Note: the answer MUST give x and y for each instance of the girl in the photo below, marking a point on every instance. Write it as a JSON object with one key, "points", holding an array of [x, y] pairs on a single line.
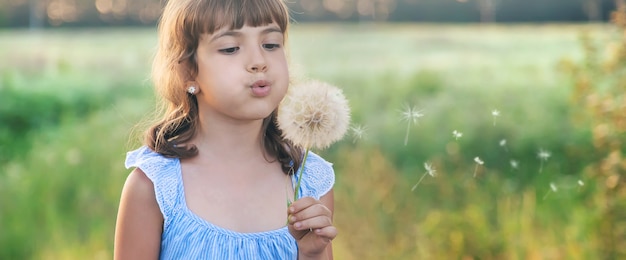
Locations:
{"points": [[214, 175]]}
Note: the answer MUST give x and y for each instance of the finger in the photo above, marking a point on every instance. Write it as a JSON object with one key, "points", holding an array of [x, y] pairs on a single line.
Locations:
{"points": [[297, 234], [301, 204], [312, 223], [312, 211], [329, 232]]}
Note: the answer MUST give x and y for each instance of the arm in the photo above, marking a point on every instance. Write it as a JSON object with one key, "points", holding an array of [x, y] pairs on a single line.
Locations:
{"points": [[139, 220], [329, 201], [310, 223]]}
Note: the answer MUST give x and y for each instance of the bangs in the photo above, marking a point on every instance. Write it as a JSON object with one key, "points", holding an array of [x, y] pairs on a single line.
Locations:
{"points": [[219, 14], [185, 21]]}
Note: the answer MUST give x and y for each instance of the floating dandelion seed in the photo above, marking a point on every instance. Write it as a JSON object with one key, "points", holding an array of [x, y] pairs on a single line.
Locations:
{"points": [[514, 164], [478, 162], [543, 155], [553, 188], [580, 184], [411, 115], [495, 113], [429, 171], [503, 144], [456, 134], [358, 132], [313, 114]]}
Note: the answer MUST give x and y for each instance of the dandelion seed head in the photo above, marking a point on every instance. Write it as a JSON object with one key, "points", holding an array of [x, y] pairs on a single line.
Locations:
{"points": [[502, 142], [543, 155], [429, 168], [495, 112], [478, 161], [313, 114], [581, 183]]}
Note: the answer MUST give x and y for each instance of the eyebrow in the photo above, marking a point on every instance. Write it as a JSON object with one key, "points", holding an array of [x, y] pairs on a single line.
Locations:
{"points": [[238, 34]]}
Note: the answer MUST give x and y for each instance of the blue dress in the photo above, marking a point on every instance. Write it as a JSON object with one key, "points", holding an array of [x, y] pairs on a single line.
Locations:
{"points": [[188, 236]]}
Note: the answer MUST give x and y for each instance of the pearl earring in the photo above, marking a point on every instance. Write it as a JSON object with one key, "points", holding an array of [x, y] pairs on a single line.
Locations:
{"points": [[191, 89]]}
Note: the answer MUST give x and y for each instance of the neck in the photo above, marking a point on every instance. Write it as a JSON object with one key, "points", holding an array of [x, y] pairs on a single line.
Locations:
{"points": [[228, 138]]}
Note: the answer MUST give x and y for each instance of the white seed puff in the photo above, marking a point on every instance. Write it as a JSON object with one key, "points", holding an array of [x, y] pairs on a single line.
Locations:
{"points": [[313, 114]]}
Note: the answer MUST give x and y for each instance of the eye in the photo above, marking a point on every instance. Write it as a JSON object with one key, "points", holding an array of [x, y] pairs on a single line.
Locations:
{"points": [[271, 46], [231, 50]]}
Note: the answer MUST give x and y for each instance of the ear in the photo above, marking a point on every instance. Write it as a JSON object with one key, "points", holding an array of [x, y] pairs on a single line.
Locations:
{"points": [[192, 88]]}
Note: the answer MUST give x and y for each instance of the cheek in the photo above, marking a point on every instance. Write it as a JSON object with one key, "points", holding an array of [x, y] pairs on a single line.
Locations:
{"points": [[209, 73], [283, 70], [279, 61]]}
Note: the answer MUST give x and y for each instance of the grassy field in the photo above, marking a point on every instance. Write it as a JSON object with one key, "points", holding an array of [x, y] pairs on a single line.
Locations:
{"points": [[70, 99]]}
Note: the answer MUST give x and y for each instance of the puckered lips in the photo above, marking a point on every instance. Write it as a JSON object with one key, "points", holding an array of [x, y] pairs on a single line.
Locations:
{"points": [[260, 88]]}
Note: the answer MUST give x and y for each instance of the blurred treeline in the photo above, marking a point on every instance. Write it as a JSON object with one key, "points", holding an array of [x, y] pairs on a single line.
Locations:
{"points": [[49, 13], [69, 99]]}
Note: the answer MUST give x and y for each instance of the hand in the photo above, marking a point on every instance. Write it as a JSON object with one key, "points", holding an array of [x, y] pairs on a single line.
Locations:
{"points": [[310, 223]]}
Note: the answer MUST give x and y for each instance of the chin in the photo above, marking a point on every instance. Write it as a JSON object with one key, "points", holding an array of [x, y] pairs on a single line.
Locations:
{"points": [[260, 115]]}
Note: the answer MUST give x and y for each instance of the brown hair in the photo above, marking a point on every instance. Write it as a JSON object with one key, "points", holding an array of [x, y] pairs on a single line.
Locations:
{"points": [[180, 27]]}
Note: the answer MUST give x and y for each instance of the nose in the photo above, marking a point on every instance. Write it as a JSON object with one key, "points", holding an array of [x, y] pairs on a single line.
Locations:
{"points": [[257, 62]]}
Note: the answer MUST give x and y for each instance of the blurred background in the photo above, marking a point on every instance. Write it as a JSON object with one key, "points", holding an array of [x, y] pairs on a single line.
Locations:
{"points": [[481, 129]]}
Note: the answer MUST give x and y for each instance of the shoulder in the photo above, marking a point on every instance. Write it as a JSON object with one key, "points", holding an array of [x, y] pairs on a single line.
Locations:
{"points": [[161, 173], [139, 221], [318, 177], [144, 156], [137, 183], [314, 158], [139, 191], [153, 165]]}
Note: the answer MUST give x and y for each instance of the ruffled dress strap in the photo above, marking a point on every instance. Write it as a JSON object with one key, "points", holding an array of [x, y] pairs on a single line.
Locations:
{"points": [[165, 175], [318, 177]]}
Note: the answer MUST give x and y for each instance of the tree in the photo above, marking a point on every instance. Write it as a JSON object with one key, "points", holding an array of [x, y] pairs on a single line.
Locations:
{"points": [[599, 92], [487, 10], [593, 9], [36, 14]]}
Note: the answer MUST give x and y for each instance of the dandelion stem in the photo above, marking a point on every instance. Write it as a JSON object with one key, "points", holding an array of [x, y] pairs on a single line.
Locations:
{"points": [[406, 137], [418, 182], [540, 166], [297, 189], [545, 196], [475, 170]]}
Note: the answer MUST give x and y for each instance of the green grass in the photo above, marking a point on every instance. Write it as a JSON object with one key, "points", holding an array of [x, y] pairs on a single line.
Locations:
{"points": [[81, 94]]}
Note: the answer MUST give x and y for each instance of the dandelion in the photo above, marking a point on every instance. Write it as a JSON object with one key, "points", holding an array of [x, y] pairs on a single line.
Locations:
{"points": [[411, 115], [429, 171], [456, 134], [313, 114], [478, 162], [495, 113], [543, 155], [514, 164], [358, 131], [553, 188]]}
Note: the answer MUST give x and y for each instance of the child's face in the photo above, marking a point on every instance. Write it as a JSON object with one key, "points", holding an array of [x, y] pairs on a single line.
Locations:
{"points": [[242, 74]]}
